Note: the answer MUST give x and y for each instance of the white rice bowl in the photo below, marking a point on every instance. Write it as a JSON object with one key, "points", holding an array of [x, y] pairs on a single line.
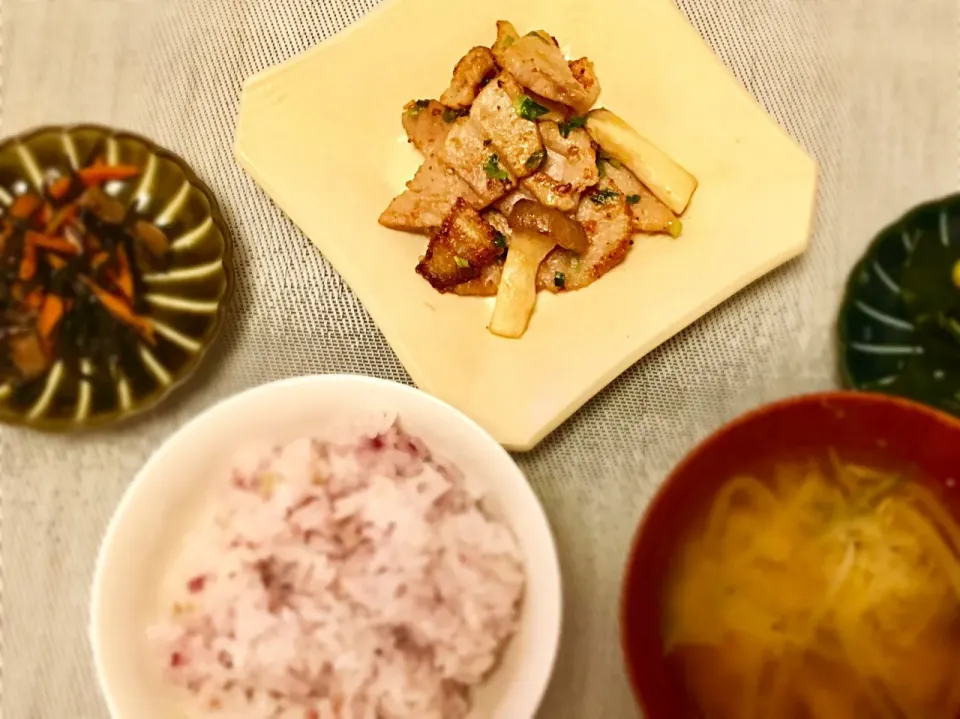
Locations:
{"points": [[288, 556]]}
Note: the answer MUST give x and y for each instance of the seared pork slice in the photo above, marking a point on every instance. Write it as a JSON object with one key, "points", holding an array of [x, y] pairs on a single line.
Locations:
{"points": [[516, 140], [474, 158], [649, 214], [486, 283], [584, 73], [507, 34], [464, 244], [425, 126], [607, 221], [580, 168], [483, 285], [549, 191], [429, 197], [498, 221], [469, 75], [538, 64], [570, 168]]}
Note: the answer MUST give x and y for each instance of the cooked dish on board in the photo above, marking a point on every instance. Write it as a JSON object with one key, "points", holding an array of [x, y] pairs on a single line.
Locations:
{"points": [[819, 588], [353, 576], [523, 187]]}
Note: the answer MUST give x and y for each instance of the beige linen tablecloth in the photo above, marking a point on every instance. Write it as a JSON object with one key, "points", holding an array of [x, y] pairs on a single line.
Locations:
{"points": [[869, 87]]}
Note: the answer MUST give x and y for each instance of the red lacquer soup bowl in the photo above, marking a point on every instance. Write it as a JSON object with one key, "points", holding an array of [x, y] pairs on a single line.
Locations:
{"points": [[881, 430]]}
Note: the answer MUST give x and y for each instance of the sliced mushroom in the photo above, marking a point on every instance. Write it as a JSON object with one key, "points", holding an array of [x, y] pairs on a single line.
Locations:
{"points": [[537, 230], [109, 209], [530, 215], [152, 237], [151, 246]]}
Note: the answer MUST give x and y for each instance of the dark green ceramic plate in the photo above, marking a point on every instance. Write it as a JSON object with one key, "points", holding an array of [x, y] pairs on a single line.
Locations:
{"points": [[900, 320], [186, 301]]}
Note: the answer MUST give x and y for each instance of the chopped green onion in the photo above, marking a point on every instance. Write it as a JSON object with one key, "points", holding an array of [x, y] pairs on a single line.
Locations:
{"points": [[633, 199], [613, 161], [575, 264], [535, 160], [559, 280], [500, 240], [508, 41], [956, 274], [534, 33], [493, 169], [675, 228], [528, 109], [600, 197], [414, 108], [450, 115], [461, 262], [570, 124]]}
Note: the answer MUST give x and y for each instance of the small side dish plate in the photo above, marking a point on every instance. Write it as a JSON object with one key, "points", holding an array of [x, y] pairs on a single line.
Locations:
{"points": [[321, 135], [183, 300], [899, 325]]}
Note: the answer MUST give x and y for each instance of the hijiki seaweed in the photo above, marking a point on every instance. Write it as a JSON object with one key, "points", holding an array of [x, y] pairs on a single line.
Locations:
{"points": [[72, 261]]}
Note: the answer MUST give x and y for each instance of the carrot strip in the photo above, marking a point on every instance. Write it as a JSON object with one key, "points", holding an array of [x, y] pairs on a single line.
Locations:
{"points": [[24, 206], [124, 275], [97, 174], [5, 234], [46, 213], [121, 310], [28, 262], [34, 300], [63, 215], [50, 315], [59, 188], [98, 260], [54, 244], [55, 261]]}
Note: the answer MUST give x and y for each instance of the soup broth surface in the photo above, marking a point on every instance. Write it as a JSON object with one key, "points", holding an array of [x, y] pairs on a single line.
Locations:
{"points": [[819, 588]]}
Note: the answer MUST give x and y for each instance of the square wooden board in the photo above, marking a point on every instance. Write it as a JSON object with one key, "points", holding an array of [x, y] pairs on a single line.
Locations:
{"points": [[322, 135]]}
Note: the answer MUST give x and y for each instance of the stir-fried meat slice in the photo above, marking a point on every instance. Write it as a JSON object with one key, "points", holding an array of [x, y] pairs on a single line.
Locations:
{"points": [[570, 168], [460, 249], [649, 214], [428, 199], [605, 218], [584, 73], [507, 34], [548, 191], [472, 155], [499, 222], [483, 285], [538, 64], [486, 283], [425, 126], [516, 140], [580, 169], [469, 75]]}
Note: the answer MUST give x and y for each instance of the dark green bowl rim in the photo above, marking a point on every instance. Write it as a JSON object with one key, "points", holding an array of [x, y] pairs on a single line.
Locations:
{"points": [[905, 220], [19, 420]]}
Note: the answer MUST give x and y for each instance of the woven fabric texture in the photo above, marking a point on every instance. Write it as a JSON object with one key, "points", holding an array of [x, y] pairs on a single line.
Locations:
{"points": [[871, 88]]}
